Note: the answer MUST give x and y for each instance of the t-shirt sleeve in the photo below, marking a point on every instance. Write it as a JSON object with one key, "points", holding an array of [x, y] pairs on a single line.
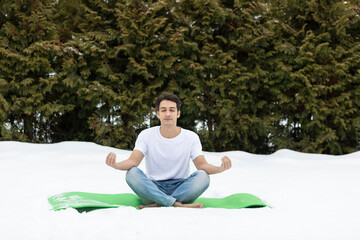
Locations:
{"points": [[140, 143], [196, 148]]}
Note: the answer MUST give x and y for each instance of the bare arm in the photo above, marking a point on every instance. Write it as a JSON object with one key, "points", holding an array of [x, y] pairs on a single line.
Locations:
{"points": [[133, 161], [201, 164]]}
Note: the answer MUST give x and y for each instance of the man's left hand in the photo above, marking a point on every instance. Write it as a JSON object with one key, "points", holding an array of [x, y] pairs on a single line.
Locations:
{"points": [[226, 164]]}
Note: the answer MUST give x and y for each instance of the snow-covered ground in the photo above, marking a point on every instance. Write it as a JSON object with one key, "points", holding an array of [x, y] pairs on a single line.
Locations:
{"points": [[312, 197]]}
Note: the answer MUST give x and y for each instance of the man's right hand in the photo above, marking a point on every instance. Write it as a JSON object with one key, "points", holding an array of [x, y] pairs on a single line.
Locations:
{"points": [[111, 160], [133, 161]]}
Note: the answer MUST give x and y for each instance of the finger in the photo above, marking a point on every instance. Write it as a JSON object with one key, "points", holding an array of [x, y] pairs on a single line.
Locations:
{"points": [[223, 162], [110, 159], [226, 162], [113, 159], [109, 155]]}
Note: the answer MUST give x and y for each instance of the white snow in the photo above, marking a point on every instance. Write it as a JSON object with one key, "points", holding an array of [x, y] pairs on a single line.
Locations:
{"points": [[312, 196]]}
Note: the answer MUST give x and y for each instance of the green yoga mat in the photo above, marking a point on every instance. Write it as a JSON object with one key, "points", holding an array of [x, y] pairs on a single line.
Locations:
{"points": [[83, 201]]}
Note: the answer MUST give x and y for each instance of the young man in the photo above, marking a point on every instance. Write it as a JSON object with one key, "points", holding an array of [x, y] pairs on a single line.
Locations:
{"points": [[168, 150]]}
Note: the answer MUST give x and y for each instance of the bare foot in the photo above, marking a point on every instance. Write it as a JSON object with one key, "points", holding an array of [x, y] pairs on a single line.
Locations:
{"points": [[148, 206], [188, 205], [176, 204]]}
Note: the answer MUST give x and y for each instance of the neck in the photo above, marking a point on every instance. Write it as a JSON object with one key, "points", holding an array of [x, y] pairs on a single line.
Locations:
{"points": [[169, 131]]}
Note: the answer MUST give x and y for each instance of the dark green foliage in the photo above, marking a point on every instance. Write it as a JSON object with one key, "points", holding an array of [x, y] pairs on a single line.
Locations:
{"points": [[30, 86], [255, 76], [317, 77]]}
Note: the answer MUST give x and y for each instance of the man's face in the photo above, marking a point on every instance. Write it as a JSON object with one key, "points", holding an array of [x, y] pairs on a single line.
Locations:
{"points": [[168, 113]]}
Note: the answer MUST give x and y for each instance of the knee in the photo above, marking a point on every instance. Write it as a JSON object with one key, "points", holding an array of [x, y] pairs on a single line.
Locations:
{"points": [[203, 177], [132, 174]]}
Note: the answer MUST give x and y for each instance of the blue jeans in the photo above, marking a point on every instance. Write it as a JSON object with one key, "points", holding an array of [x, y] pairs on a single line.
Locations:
{"points": [[166, 192]]}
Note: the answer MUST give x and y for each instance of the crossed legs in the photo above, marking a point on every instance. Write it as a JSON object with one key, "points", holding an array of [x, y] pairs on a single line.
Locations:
{"points": [[177, 193]]}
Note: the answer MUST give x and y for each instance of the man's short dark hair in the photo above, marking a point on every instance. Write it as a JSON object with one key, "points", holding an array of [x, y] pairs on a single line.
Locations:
{"points": [[170, 97]]}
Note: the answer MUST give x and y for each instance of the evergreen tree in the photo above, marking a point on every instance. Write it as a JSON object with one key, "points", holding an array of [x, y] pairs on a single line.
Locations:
{"points": [[316, 77], [125, 62], [255, 76], [28, 61], [226, 78]]}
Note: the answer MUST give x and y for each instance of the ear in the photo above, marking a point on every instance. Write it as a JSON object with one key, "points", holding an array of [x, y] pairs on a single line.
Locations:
{"points": [[178, 114], [158, 114]]}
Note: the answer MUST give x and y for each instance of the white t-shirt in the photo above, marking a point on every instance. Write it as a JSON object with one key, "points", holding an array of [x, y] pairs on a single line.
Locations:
{"points": [[168, 158]]}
